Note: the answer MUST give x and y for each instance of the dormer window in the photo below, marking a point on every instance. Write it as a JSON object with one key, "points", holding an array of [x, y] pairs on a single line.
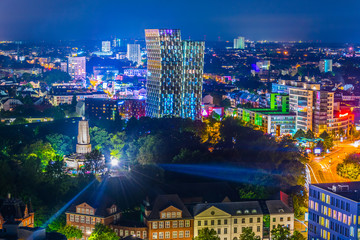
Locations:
{"points": [[281, 210], [178, 214], [91, 212], [253, 211], [163, 215], [168, 215], [173, 214], [246, 211], [238, 212]]}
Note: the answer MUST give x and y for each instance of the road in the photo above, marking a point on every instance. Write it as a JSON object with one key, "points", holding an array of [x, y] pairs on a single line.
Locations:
{"points": [[323, 169]]}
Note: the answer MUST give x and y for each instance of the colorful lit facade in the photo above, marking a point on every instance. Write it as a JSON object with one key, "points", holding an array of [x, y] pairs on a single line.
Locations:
{"points": [[276, 120], [334, 211], [325, 65], [239, 43], [175, 74]]}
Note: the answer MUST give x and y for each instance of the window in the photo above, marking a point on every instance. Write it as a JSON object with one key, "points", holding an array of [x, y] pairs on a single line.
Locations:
{"points": [[144, 234], [87, 211], [225, 221], [173, 214], [71, 218], [154, 225], [174, 234], [82, 219], [161, 224], [250, 220], [127, 233], [132, 233], [205, 223], [175, 224], [167, 234], [168, 215], [235, 229], [274, 219], [163, 215], [167, 224], [258, 219], [289, 218], [87, 220], [235, 220], [178, 214], [212, 222], [187, 223], [76, 218], [181, 224], [91, 212], [121, 233], [243, 220], [258, 229], [154, 235], [281, 219], [161, 235], [181, 234], [219, 222], [219, 231], [187, 234], [225, 230], [138, 234], [199, 223]]}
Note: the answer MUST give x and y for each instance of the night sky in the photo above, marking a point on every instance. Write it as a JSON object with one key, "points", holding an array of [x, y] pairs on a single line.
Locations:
{"points": [[326, 20]]}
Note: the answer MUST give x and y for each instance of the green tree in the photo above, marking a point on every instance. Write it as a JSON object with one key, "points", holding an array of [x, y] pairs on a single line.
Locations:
{"points": [[299, 134], [94, 161], [54, 76], [62, 144], [328, 140], [102, 232], [248, 234], [41, 150], [309, 134], [117, 145], [207, 234], [100, 138], [71, 232], [350, 167], [297, 236], [74, 101], [19, 120], [280, 233]]}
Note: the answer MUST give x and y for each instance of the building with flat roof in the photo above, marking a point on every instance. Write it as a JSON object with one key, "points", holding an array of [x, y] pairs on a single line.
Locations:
{"points": [[334, 211]]}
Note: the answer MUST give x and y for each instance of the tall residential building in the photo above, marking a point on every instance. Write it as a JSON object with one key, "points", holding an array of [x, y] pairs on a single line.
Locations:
{"points": [[175, 74], [325, 65], [134, 53], [63, 66], [106, 46], [334, 211], [77, 67], [239, 43]]}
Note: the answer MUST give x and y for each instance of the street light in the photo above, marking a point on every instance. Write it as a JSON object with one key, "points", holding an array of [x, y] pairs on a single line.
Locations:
{"points": [[114, 162]]}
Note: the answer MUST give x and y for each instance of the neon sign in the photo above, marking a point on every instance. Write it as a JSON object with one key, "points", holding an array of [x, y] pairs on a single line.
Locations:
{"points": [[343, 115]]}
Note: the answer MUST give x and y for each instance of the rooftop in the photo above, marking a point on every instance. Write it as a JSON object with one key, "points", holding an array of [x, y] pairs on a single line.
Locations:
{"points": [[350, 190]]}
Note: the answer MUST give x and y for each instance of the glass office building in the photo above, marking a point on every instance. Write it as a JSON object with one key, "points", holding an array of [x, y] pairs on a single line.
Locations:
{"points": [[174, 74]]}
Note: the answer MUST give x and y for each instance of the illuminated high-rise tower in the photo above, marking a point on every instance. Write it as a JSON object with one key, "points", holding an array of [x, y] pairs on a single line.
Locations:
{"points": [[133, 53], [77, 67], [175, 74], [239, 43]]}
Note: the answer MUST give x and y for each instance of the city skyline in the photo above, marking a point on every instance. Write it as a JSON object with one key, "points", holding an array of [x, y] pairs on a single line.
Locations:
{"points": [[258, 20]]}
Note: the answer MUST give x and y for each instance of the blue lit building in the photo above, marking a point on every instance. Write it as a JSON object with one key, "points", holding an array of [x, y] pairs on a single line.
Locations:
{"points": [[174, 74], [334, 210]]}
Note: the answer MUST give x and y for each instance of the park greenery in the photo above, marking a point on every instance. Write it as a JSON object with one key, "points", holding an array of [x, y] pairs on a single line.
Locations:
{"points": [[32, 167], [283, 233], [350, 167], [248, 234], [102, 232]]}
